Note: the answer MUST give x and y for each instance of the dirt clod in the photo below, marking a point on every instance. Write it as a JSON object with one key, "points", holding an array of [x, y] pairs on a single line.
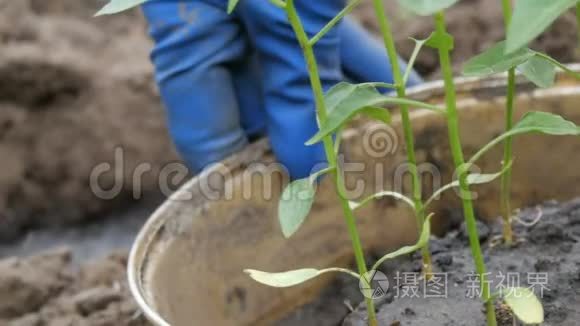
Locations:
{"points": [[95, 299], [483, 231], [47, 290], [73, 89], [24, 289]]}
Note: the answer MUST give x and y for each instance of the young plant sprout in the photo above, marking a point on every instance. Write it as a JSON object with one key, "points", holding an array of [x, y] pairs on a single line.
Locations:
{"points": [[344, 101], [444, 47], [537, 67], [540, 70], [289, 217], [505, 202], [400, 80]]}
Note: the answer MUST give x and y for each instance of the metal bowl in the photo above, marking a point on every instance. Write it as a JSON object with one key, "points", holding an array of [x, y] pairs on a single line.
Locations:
{"points": [[185, 267]]}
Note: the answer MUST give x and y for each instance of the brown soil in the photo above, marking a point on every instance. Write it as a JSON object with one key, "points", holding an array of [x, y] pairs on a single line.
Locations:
{"points": [[47, 290], [72, 89]]}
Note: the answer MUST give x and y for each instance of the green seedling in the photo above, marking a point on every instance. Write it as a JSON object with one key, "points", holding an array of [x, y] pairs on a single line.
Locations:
{"points": [[539, 69], [334, 110], [505, 56], [345, 101], [400, 79], [443, 42], [455, 142], [323, 114], [512, 55]]}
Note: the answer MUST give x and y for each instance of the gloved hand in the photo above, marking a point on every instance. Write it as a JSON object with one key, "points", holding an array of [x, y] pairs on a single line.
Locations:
{"points": [[224, 78]]}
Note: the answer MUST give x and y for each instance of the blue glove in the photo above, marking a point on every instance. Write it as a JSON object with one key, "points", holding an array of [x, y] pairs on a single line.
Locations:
{"points": [[227, 78]]}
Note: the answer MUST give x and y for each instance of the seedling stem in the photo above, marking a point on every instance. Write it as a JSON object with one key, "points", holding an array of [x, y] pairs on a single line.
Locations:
{"points": [[407, 128], [318, 91], [457, 153], [505, 192], [578, 24]]}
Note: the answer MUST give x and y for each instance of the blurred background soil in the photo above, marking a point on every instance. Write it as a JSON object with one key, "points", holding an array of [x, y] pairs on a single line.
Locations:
{"points": [[475, 25], [73, 89]]}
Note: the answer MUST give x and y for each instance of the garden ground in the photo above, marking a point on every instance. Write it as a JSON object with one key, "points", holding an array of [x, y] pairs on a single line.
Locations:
{"points": [[74, 88]]}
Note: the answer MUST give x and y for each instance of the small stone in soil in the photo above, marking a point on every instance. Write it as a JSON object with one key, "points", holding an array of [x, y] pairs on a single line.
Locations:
{"points": [[95, 299], [483, 231]]}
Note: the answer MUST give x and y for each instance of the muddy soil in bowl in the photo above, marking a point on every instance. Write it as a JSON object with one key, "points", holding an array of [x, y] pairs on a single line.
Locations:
{"points": [[49, 290], [545, 259]]}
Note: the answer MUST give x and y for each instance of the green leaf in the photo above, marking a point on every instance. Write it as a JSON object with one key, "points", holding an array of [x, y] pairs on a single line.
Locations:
{"points": [[356, 205], [538, 122], [440, 40], [544, 122], [494, 60], [292, 278], [376, 113], [344, 101], [116, 6], [232, 5], [557, 64], [524, 304], [472, 179], [477, 179], [295, 205], [426, 7], [539, 71], [284, 279], [538, 68], [421, 242], [531, 18]]}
